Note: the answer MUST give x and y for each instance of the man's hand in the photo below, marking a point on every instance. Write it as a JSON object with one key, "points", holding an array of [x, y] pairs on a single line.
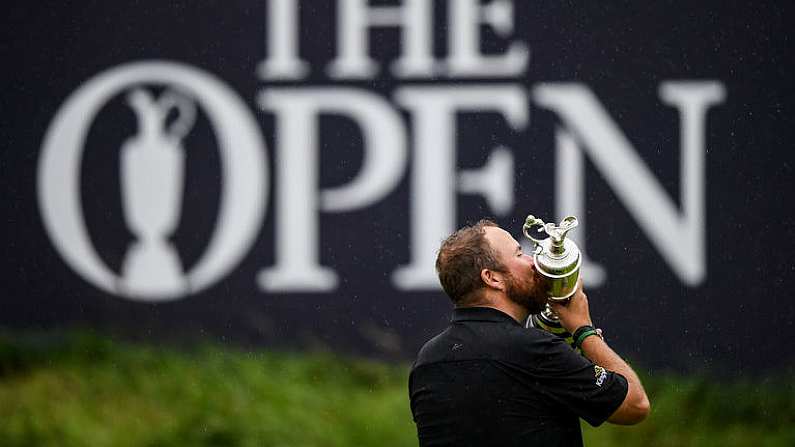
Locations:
{"points": [[574, 312]]}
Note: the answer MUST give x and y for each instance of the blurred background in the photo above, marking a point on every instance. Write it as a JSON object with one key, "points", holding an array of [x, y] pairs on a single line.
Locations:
{"points": [[220, 218]]}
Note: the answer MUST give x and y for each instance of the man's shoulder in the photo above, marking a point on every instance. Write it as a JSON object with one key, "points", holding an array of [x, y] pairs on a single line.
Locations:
{"points": [[485, 341], [522, 345], [433, 348], [516, 336]]}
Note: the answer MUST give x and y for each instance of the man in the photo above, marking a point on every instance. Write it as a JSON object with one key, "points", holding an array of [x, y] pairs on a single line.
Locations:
{"points": [[487, 380]]}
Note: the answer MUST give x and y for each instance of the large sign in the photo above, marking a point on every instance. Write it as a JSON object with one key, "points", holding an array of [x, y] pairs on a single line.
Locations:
{"points": [[380, 128]]}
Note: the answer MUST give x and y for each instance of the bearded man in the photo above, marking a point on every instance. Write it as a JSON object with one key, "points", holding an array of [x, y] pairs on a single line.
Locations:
{"points": [[487, 380]]}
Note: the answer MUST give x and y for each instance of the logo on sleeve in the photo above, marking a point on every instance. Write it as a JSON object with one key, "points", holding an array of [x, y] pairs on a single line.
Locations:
{"points": [[600, 374]]}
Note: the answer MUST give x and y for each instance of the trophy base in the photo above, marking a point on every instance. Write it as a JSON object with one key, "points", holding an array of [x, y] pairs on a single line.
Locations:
{"points": [[152, 271]]}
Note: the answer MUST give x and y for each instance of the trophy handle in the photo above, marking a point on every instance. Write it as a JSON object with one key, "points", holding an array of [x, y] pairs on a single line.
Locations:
{"points": [[186, 113], [529, 223]]}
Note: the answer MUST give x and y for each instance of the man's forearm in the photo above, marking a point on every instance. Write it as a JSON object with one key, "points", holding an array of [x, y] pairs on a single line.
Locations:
{"points": [[574, 314], [601, 354]]}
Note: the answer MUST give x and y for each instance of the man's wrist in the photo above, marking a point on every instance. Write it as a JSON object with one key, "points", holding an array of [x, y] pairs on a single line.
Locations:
{"points": [[577, 326], [583, 332]]}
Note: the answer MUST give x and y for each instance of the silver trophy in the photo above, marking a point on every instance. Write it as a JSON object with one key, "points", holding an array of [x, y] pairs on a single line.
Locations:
{"points": [[558, 262], [152, 180]]}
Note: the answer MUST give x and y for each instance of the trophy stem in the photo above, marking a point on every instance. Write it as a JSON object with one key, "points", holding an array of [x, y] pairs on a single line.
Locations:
{"points": [[550, 314], [548, 320]]}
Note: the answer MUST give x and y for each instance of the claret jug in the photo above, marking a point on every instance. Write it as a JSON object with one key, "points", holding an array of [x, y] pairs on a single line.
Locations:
{"points": [[558, 262]]}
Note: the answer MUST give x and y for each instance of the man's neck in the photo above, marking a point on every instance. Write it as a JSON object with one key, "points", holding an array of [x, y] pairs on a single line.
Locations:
{"points": [[517, 312], [504, 305]]}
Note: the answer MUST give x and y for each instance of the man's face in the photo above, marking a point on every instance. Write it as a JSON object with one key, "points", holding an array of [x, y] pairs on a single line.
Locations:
{"points": [[523, 282]]}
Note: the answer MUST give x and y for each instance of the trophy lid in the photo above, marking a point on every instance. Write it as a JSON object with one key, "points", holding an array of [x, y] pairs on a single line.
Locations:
{"points": [[555, 255], [557, 233]]}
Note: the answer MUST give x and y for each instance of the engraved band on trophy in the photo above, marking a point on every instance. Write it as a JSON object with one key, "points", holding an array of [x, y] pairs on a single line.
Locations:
{"points": [[152, 181], [557, 260]]}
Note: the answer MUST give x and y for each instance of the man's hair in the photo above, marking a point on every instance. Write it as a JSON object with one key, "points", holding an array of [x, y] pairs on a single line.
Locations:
{"points": [[461, 258]]}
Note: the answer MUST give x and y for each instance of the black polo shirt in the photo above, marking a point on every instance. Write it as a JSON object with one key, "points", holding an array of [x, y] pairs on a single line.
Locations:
{"points": [[487, 380]]}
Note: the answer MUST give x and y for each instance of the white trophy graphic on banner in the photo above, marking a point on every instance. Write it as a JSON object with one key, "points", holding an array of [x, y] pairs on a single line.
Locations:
{"points": [[152, 179]]}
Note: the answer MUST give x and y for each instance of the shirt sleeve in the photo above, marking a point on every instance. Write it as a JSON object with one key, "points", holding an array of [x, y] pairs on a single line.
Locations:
{"points": [[574, 382]]}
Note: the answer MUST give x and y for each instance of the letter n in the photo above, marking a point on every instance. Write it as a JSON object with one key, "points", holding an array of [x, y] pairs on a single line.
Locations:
{"points": [[677, 235]]}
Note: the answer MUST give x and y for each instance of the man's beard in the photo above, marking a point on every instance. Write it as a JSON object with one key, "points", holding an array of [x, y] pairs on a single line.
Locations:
{"points": [[527, 293]]}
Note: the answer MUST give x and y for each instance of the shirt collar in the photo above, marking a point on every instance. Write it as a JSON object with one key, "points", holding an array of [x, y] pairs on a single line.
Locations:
{"points": [[481, 313]]}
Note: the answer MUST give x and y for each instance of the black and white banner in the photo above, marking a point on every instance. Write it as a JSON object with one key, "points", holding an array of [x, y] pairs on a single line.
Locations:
{"points": [[281, 172]]}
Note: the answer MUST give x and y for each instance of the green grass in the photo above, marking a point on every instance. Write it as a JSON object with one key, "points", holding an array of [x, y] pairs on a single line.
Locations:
{"points": [[83, 390], [696, 411]]}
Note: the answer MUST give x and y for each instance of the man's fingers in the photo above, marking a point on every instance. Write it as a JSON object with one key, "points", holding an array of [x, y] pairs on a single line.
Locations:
{"points": [[555, 305]]}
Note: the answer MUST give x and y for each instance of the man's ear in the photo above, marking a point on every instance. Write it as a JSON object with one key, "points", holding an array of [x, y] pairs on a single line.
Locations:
{"points": [[492, 279]]}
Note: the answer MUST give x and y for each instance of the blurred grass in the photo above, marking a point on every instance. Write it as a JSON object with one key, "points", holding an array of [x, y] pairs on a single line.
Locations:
{"points": [[84, 390]]}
